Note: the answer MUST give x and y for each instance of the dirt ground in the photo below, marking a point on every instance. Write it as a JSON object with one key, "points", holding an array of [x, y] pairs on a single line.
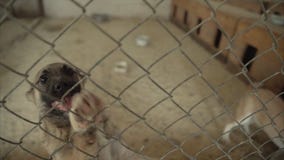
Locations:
{"points": [[192, 128]]}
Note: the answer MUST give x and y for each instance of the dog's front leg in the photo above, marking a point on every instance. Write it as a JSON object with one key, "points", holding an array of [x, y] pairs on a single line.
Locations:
{"points": [[85, 112]]}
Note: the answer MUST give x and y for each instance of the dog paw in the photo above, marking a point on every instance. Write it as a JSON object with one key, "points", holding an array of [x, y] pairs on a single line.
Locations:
{"points": [[85, 110]]}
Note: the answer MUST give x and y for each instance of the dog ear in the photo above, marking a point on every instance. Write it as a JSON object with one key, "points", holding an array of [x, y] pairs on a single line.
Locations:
{"points": [[30, 95]]}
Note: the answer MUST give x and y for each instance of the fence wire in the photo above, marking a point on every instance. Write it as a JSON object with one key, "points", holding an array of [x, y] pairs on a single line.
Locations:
{"points": [[227, 110]]}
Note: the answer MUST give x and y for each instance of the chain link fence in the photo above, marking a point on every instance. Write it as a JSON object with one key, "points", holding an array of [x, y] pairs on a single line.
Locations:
{"points": [[186, 127]]}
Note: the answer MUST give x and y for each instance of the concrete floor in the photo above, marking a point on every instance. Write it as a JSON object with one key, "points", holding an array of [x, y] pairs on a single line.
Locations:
{"points": [[84, 45]]}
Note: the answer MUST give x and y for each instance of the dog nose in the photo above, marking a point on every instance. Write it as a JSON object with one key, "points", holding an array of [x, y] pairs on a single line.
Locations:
{"points": [[58, 87]]}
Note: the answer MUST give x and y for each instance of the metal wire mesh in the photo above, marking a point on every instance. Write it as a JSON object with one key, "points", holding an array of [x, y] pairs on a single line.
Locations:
{"points": [[215, 142]]}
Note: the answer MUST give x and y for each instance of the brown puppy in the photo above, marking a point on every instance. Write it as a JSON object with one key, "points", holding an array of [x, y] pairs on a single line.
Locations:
{"points": [[75, 128], [268, 114]]}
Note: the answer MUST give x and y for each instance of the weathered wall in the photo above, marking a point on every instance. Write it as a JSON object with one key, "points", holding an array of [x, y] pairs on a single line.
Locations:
{"points": [[67, 9], [236, 21]]}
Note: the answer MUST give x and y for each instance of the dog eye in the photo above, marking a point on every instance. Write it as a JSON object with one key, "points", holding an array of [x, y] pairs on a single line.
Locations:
{"points": [[43, 78]]}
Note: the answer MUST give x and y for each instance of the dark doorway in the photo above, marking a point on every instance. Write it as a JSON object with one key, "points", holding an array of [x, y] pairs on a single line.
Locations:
{"points": [[217, 38], [282, 94], [249, 54], [185, 15], [198, 29], [174, 11]]}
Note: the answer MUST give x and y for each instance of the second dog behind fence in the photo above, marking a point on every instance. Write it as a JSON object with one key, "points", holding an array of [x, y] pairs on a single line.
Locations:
{"points": [[264, 109]]}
